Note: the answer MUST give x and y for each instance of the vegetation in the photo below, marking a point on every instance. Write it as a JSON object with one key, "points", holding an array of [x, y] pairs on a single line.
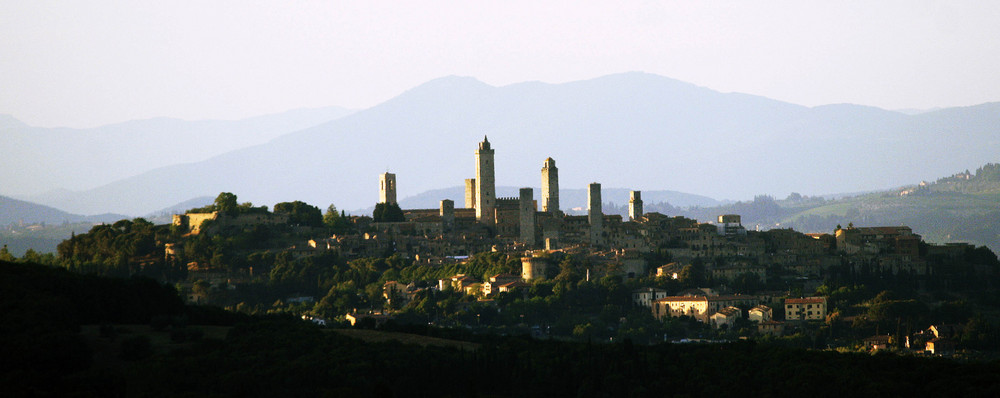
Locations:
{"points": [[227, 203], [300, 213], [45, 354], [388, 212]]}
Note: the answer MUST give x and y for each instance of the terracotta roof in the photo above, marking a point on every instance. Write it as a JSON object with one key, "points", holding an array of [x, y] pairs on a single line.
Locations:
{"points": [[683, 298], [806, 300], [729, 311], [879, 339]]}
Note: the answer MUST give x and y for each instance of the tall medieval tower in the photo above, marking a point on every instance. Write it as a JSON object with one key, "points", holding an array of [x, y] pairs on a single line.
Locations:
{"points": [[387, 188], [635, 205], [595, 215], [470, 193], [550, 186], [486, 199], [526, 204]]}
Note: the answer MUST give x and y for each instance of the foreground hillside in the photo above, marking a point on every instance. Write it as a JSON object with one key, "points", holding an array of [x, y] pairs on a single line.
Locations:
{"points": [[46, 355]]}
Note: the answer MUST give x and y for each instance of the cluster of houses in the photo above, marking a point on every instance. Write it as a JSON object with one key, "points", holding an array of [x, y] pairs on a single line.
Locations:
{"points": [[723, 311]]}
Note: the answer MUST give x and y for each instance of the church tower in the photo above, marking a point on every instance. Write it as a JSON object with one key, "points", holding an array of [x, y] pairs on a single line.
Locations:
{"points": [[550, 186], [486, 199], [387, 188]]}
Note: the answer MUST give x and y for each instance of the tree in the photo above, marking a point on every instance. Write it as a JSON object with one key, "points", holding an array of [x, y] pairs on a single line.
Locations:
{"points": [[694, 274], [388, 212], [334, 220], [5, 254], [300, 213], [226, 203]]}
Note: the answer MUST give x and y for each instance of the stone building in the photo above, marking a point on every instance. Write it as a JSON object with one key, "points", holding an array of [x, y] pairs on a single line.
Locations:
{"points": [[805, 309], [533, 266]]}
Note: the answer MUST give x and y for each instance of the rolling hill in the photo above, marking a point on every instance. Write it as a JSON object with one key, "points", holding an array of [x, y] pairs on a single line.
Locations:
{"points": [[962, 208], [56, 161]]}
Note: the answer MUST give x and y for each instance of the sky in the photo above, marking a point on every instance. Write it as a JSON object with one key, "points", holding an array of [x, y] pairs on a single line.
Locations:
{"points": [[85, 64]]}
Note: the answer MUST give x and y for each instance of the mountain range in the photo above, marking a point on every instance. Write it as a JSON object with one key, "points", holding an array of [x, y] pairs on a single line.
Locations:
{"points": [[18, 211], [628, 131], [47, 163]]}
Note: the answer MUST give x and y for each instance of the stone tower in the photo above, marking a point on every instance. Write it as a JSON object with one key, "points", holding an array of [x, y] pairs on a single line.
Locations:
{"points": [[526, 206], [595, 215], [447, 215], [635, 205], [550, 186], [470, 193], [387, 188], [533, 266], [486, 199]]}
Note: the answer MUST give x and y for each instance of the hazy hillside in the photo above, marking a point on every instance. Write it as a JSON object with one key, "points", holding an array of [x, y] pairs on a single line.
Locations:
{"points": [[633, 130], [26, 225], [960, 208], [52, 160], [19, 211]]}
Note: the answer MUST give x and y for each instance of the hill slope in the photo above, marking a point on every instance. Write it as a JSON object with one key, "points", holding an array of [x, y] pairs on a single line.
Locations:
{"points": [[38, 160], [960, 208], [18, 211]]}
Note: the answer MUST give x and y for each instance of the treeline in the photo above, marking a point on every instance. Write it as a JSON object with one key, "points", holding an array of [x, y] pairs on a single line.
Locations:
{"points": [[125, 248]]}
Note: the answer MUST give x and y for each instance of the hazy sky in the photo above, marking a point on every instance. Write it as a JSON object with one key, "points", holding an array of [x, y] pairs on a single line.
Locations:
{"points": [[86, 63]]}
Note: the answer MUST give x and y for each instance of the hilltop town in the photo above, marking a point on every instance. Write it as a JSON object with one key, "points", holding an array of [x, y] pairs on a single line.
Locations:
{"points": [[513, 265]]}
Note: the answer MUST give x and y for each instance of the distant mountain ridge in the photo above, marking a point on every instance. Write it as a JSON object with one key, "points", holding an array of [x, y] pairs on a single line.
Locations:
{"points": [[53, 160], [18, 211], [631, 130]]}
